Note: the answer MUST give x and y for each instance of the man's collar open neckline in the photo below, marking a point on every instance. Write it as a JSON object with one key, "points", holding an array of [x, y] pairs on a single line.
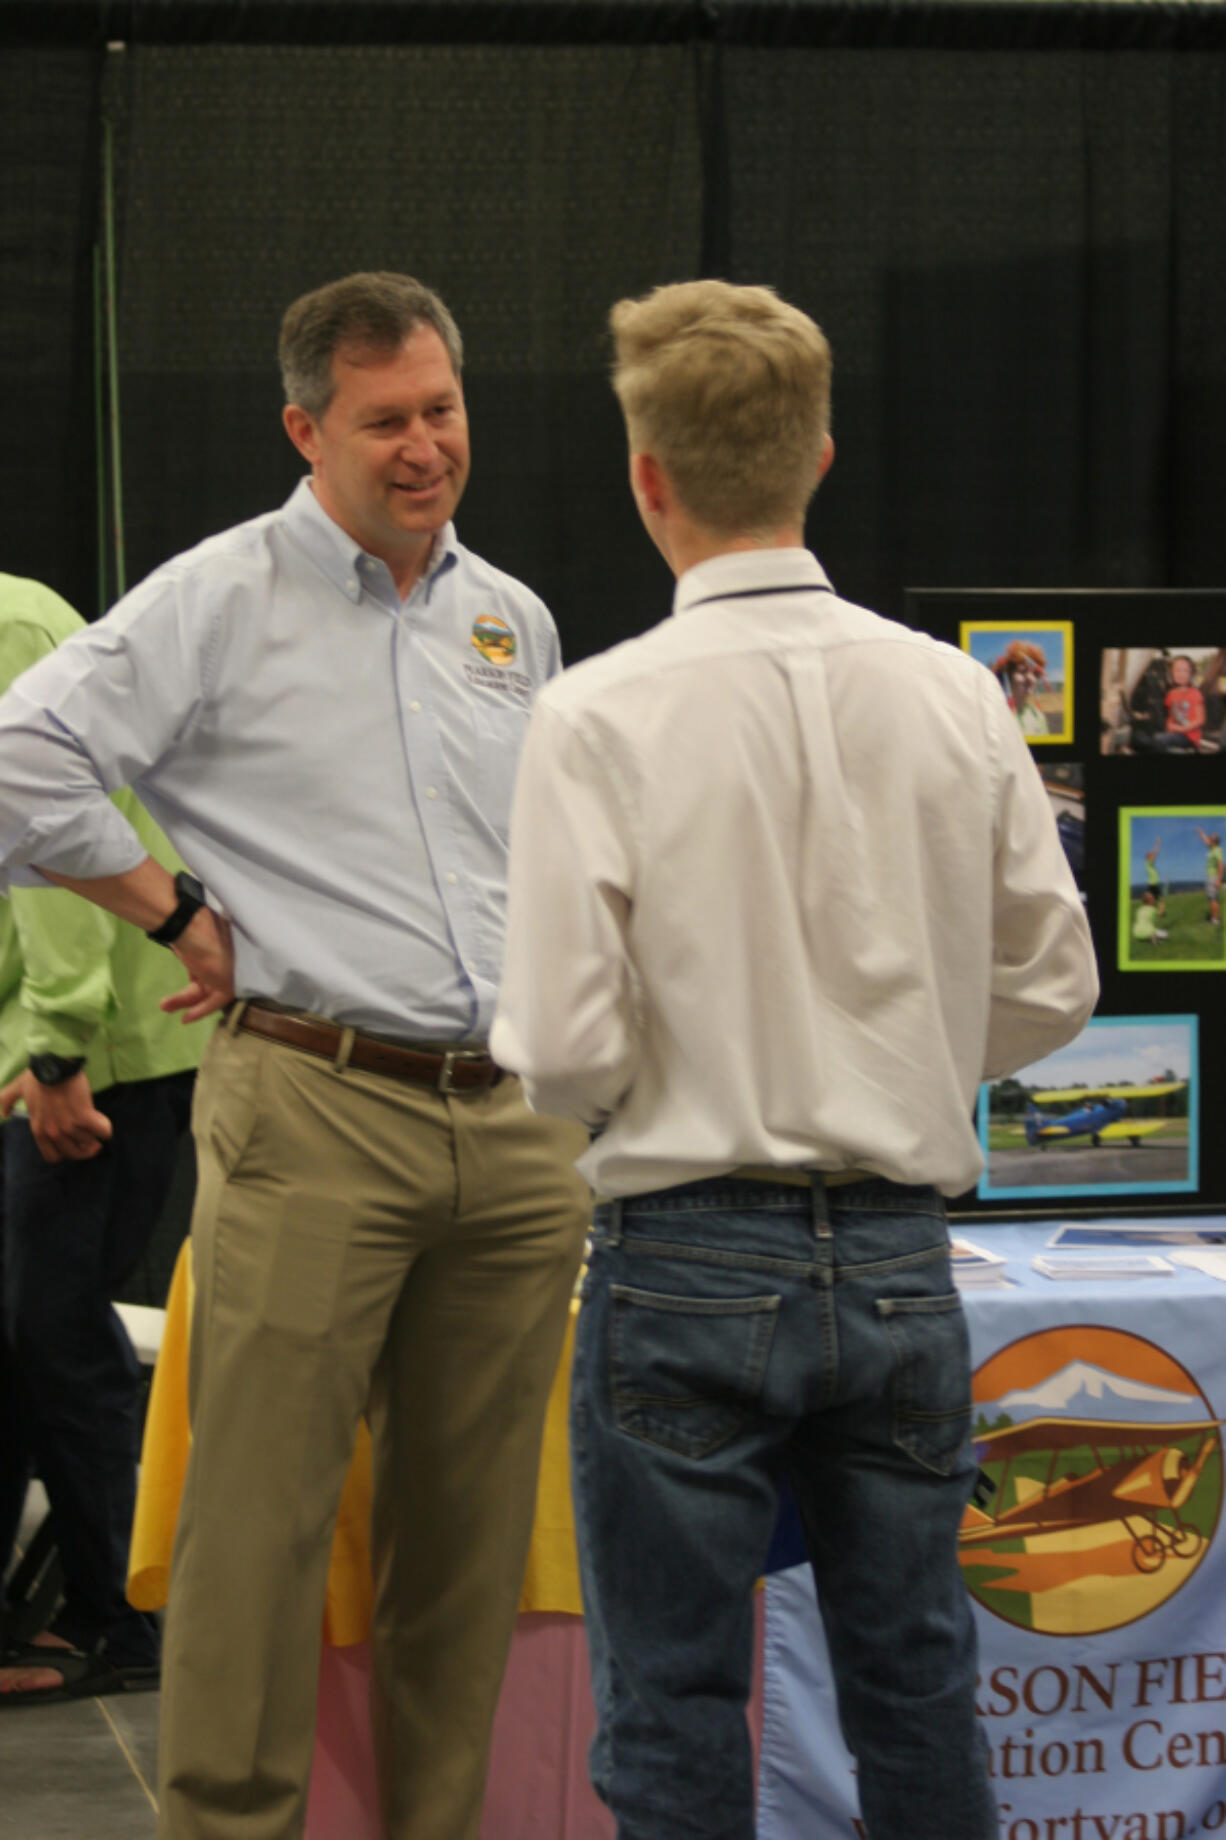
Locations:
{"points": [[341, 557]]}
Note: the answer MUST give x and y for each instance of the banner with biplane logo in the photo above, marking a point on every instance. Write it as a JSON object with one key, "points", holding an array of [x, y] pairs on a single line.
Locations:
{"points": [[1096, 1562]]}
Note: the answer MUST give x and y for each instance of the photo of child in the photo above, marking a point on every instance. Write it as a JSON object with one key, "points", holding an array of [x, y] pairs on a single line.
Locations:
{"points": [[1033, 666], [1163, 701]]}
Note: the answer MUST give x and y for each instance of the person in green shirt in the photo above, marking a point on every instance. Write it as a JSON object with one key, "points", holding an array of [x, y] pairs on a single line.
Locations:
{"points": [[1153, 878], [95, 1082]]}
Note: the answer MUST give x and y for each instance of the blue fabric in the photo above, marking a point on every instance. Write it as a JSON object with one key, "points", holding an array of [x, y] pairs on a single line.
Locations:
{"points": [[732, 1331], [235, 690], [70, 1234], [1084, 1617]]}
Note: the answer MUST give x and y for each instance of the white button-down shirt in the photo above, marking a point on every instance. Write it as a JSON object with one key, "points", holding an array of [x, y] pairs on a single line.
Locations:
{"points": [[336, 765], [785, 887]]}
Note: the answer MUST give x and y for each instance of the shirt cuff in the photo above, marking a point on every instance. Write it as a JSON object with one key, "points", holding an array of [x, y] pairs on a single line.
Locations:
{"points": [[82, 848], [57, 1035]]}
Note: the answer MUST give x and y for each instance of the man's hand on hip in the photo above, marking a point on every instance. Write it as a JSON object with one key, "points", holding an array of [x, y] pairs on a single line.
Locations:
{"points": [[205, 947], [66, 1124]]}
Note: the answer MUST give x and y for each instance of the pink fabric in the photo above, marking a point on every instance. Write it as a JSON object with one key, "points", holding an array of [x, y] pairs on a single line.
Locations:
{"points": [[538, 1786]]}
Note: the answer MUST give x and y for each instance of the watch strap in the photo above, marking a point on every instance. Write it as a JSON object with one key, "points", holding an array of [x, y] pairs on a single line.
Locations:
{"points": [[191, 900], [54, 1069]]}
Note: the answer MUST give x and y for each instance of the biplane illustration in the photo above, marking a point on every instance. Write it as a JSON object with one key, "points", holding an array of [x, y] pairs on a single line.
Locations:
{"points": [[1103, 1114], [1133, 1474]]}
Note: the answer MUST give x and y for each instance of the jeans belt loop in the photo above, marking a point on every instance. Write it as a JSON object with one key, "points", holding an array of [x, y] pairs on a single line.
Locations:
{"points": [[344, 1049], [234, 1015], [821, 1204], [613, 1237]]}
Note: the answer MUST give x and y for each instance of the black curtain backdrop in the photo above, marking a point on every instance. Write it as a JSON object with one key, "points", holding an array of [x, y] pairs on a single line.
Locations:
{"points": [[531, 185], [49, 167], [1009, 220], [1019, 260]]}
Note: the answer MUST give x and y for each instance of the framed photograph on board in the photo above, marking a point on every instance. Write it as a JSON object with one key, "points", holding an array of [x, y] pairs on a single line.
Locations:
{"points": [[1032, 661], [1163, 699], [1170, 892], [1115, 1113]]}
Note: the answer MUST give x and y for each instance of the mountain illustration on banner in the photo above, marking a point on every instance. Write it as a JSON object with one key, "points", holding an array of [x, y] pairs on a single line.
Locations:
{"points": [[1084, 1391]]}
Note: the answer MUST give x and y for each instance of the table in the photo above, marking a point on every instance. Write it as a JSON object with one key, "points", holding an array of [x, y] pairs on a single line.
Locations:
{"points": [[1101, 1604]]}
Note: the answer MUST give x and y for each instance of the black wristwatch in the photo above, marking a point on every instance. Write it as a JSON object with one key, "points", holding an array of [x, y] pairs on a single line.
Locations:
{"points": [[54, 1069], [191, 900]]}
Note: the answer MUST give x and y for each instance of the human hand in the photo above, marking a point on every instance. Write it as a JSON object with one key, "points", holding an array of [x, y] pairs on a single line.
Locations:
{"points": [[65, 1123], [207, 950]]}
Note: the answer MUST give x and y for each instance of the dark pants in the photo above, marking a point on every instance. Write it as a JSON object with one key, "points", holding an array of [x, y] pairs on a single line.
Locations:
{"points": [[70, 1384]]}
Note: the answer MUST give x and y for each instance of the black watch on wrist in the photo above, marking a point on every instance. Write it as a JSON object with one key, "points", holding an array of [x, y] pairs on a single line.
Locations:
{"points": [[191, 900], [54, 1069]]}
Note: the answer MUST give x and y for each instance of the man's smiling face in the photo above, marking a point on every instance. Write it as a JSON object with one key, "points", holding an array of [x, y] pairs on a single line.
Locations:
{"points": [[390, 452]]}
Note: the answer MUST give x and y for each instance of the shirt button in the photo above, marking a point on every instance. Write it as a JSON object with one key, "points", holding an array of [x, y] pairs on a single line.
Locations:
{"points": [[452, 877], [415, 707], [431, 792]]}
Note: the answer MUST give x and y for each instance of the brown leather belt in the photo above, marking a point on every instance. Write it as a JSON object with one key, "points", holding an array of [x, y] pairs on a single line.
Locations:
{"points": [[448, 1070]]}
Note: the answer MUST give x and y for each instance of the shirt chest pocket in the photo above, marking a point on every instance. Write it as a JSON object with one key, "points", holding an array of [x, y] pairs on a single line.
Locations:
{"points": [[500, 723]]}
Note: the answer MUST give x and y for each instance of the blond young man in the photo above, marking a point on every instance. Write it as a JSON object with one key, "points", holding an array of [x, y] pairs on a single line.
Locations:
{"points": [[799, 890]]}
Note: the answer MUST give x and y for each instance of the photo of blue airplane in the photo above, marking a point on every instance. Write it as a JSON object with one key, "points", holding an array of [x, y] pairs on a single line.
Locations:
{"points": [[1102, 1115]]}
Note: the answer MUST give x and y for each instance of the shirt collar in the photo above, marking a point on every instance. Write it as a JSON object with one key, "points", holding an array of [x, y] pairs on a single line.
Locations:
{"points": [[346, 564], [740, 570]]}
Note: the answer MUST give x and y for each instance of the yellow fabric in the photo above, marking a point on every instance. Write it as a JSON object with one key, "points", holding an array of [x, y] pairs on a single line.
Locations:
{"points": [[552, 1578]]}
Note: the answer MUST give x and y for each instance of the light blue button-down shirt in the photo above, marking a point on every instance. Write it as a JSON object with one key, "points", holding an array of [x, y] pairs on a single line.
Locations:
{"points": [[336, 765]]}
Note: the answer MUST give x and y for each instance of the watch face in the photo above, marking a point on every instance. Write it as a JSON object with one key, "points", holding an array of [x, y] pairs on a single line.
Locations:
{"points": [[54, 1069]]}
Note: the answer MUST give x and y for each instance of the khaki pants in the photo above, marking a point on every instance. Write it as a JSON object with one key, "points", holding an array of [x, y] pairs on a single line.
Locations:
{"points": [[360, 1244]]}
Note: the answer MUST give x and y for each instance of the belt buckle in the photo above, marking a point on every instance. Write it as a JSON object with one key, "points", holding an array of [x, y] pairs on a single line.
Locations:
{"points": [[445, 1083]]}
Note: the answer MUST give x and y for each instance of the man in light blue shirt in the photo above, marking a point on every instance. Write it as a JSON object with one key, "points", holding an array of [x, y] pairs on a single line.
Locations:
{"points": [[323, 709]]}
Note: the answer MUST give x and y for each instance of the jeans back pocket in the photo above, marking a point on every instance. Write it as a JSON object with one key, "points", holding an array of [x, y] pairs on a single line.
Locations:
{"points": [[932, 1377], [685, 1372]]}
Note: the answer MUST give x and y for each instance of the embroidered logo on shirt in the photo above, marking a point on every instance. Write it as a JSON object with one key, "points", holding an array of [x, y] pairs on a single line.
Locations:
{"points": [[494, 639]]}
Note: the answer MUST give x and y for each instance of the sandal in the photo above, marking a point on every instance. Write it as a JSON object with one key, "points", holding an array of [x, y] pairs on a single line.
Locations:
{"points": [[83, 1675]]}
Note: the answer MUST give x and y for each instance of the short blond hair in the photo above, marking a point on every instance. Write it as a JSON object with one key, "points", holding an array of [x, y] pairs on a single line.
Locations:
{"points": [[729, 388]]}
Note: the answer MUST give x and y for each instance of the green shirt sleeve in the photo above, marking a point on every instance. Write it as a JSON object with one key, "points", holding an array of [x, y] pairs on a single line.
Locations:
{"points": [[22, 643], [66, 991], [64, 942]]}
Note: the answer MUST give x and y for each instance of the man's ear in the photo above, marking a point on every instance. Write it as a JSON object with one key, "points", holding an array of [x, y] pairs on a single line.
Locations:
{"points": [[647, 483], [827, 458], [300, 427]]}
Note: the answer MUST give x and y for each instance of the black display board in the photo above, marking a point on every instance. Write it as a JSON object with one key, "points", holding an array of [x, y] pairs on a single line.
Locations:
{"points": [[1152, 793]]}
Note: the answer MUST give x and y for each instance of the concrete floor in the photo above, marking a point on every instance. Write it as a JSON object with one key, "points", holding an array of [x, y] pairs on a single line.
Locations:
{"points": [[79, 1771], [83, 1770]]}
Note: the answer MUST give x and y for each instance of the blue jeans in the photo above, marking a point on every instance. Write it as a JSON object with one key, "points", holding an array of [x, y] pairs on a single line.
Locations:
{"points": [[731, 1331]]}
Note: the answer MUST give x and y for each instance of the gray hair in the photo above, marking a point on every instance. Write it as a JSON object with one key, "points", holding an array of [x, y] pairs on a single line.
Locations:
{"points": [[364, 312]]}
